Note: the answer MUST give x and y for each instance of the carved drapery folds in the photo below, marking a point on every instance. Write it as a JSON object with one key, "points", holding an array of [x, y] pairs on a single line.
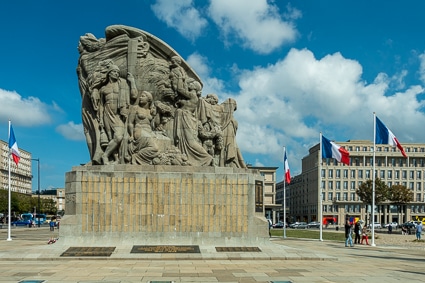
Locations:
{"points": [[142, 104]]}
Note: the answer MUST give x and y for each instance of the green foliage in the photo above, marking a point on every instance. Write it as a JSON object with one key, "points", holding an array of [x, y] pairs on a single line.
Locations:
{"points": [[364, 191], [399, 195], [22, 203]]}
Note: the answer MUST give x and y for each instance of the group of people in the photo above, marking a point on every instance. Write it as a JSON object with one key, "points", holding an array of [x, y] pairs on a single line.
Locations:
{"points": [[360, 232]]}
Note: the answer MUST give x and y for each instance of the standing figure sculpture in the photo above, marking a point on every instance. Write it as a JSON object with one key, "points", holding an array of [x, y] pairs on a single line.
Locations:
{"points": [[115, 101], [186, 126]]}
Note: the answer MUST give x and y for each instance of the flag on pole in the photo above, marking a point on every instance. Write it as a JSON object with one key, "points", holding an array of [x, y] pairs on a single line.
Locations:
{"points": [[13, 145], [287, 172], [332, 150], [385, 136]]}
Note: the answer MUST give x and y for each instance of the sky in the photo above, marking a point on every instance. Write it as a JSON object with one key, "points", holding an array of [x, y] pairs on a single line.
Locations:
{"points": [[295, 68]]}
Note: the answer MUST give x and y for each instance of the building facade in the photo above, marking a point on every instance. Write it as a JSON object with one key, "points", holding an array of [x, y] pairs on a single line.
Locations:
{"points": [[338, 183], [20, 176]]}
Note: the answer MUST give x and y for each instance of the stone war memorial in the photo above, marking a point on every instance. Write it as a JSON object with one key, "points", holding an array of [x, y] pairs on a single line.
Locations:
{"points": [[165, 167]]}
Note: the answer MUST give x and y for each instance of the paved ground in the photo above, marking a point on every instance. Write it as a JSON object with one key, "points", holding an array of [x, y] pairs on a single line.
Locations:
{"points": [[28, 257]]}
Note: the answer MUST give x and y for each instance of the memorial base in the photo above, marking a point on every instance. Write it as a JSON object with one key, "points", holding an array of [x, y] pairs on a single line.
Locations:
{"points": [[163, 205]]}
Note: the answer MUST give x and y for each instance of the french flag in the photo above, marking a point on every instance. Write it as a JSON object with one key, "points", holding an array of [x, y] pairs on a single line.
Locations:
{"points": [[287, 172], [332, 150], [385, 136], [13, 145]]}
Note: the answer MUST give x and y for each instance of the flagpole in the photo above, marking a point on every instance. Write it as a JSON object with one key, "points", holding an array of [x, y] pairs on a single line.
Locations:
{"points": [[284, 194], [9, 238], [373, 182], [320, 189]]}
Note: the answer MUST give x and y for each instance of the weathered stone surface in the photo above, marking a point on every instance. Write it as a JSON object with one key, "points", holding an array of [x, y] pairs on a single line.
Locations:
{"points": [[142, 105], [142, 205]]}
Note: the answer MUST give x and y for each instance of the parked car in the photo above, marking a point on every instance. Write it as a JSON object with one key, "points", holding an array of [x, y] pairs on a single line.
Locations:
{"points": [[393, 224], [278, 225], [21, 222], [299, 225], [409, 225], [376, 224], [313, 224]]}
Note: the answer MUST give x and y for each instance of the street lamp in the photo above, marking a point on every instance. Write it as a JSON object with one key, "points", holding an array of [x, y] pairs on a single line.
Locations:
{"points": [[38, 190]]}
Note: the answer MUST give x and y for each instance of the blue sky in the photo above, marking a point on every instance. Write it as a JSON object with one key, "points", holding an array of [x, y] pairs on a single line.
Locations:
{"points": [[295, 68]]}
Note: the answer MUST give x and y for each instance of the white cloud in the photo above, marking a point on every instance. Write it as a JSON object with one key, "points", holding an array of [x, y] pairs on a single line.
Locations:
{"points": [[71, 131], [180, 15], [290, 102], [257, 24], [23, 111], [200, 65]]}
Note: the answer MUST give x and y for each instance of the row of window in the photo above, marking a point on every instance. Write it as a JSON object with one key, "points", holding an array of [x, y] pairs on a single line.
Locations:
{"points": [[354, 185], [355, 208], [367, 174], [384, 149], [354, 197], [379, 161]]}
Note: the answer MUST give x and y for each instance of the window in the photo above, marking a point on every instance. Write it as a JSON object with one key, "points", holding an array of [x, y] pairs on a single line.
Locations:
{"points": [[411, 185], [382, 174], [345, 185], [418, 197], [338, 185], [389, 184], [330, 196], [353, 185], [393, 161], [418, 186], [330, 173], [338, 173], [353, 173], [367, 174], [411, 174], [338, 196], [356, 161], [357, 148], [397, 174], [353, 196], [330, 185], [418, 175], [414, 162], [345, 173], [360, 172], [400, 162], [390, 174], [364, 148], [345, 196], [323, 173], [404, 174]]}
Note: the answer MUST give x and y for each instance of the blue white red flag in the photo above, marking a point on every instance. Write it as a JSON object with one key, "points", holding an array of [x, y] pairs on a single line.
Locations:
{"points": [[385, 136], [332, 150], [287, 172], [13, 145]]}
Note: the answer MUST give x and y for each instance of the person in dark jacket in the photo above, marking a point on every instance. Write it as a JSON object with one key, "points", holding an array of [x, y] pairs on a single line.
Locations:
{"points": [[357, 232], [348, 232]]}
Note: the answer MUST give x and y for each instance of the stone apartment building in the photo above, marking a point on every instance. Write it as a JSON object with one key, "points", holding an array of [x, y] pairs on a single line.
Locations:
{"points": [[338, 183], [20, 176]]}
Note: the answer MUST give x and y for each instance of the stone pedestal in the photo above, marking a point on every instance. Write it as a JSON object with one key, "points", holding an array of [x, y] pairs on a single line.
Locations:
{"points": [[159, 205]]}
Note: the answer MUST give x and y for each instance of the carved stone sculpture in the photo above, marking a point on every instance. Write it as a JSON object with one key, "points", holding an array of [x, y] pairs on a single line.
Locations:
{"points": [[142, 104]]}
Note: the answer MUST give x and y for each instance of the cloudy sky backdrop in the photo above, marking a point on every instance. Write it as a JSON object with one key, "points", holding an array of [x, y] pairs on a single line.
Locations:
{"points": [[295, 68]]}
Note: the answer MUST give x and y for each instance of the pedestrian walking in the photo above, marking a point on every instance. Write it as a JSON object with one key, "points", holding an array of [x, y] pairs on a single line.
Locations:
{"points": [[364, 236], [348, 232], [357, 232], [418, 231]]}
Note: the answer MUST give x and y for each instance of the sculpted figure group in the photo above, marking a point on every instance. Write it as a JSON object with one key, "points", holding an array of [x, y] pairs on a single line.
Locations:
{"points": [[142, 104]]}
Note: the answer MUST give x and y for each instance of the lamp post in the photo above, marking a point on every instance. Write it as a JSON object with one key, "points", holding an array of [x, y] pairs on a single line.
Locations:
{"points": [[38, 189]]}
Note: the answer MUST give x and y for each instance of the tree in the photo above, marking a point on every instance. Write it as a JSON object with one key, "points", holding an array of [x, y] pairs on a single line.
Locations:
{"points": [[364, 191], [400, 195]]}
